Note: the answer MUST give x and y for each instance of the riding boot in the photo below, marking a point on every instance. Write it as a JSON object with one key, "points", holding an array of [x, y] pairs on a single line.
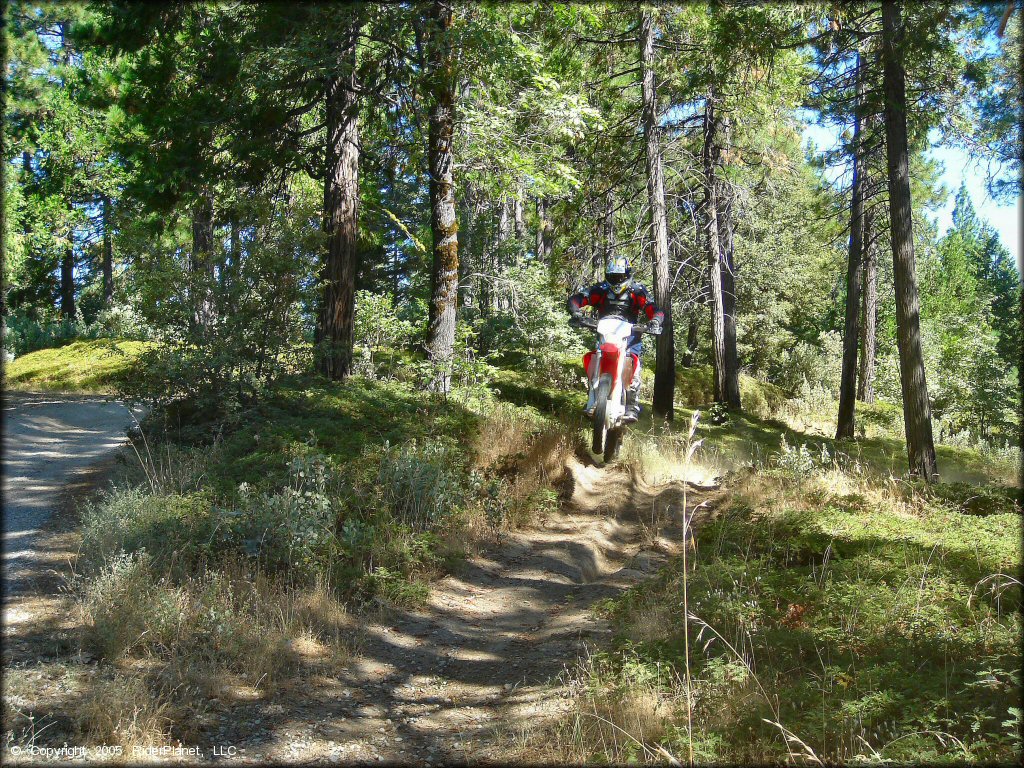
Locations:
{"points": [[632, 404]]}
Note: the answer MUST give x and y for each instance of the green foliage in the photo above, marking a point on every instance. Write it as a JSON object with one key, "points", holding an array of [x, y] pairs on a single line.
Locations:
{"points": [[422, 485], [867, 625], [220, 352], [120, 321]]}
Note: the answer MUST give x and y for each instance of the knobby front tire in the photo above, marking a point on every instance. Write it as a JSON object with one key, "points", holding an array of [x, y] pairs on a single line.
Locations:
{"points": [[604, 388], [612, 443]]}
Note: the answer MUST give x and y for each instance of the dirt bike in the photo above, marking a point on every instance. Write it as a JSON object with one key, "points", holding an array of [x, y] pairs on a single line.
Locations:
{"points": [[606, 404]]}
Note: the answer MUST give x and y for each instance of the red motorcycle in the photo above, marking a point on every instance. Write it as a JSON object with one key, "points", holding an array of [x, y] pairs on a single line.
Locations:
{"points": [[606, 404]]}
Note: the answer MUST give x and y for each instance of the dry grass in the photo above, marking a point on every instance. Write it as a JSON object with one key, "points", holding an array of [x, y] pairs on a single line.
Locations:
{"points": [[125, 711], [658, 459], [174, 648], [541, 468], [619, 718]]}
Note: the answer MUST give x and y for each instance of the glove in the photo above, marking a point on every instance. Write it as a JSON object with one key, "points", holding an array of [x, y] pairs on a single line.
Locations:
{"points": [[654, 327], [575, 318]]}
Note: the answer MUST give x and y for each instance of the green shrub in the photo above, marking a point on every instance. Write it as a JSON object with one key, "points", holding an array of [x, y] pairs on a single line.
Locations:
{"points": [[420, 484], [882, 416], [291, 531], [177, 532]]}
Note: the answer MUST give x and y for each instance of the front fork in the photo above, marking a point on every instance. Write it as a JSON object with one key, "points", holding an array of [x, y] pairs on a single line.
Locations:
{"points": [[594, 379]]}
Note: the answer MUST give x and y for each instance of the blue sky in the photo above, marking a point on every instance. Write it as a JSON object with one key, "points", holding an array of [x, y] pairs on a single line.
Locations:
{"points": [[957, 166]]}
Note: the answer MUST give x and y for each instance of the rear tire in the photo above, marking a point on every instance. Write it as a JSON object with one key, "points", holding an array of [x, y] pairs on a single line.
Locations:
{"points": [[604, 388], [612, 443]]}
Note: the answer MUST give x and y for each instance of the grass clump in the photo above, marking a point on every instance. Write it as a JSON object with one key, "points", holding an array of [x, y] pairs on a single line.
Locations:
{"points": [[169, 647], [836, 620], [93, 366]]}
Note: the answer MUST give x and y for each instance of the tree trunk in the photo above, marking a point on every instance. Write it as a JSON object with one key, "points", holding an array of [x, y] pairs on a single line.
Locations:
{"points": [[727, 229], [692, 329], [336, 328], [443, 223], [517, 210], [726, 386], [108, 255], [866, 380], [543, 231], [665, 362], [67, 280], [201, 263], [473, 208], [916, 413], [854, 278]]}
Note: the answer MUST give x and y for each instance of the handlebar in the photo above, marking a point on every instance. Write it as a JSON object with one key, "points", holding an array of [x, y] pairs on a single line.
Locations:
{"points": [[591, 323]]}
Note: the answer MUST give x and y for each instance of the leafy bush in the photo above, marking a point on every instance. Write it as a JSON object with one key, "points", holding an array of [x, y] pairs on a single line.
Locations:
{"points": [[176, 532], [378, 324], [532, 327], [23, 334], [817, 366], [291, 531], [226, 334], [420, 484]]}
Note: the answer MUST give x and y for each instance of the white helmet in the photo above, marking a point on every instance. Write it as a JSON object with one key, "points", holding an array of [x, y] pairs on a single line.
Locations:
{"points": [[618, 273]]}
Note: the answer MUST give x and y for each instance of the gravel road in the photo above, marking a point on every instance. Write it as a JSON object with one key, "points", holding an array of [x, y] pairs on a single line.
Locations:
{"points": [[47, 440]]}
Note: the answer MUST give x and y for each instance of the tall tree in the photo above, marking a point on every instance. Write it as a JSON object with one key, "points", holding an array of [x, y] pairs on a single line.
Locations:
{"points": [[854, 272], [335, 329], [727, 242], [727, 386], [201, 264], [444, 276], [916, 413], [108, 252], [67, 279], [865, 379], [665, 364]]}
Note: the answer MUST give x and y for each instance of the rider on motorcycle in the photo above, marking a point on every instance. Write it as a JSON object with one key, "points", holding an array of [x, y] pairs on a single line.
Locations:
{"points": [[619, 295]]}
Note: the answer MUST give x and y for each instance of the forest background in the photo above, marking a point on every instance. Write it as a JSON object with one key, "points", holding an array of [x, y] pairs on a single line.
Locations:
{"points": [[329, 247]]}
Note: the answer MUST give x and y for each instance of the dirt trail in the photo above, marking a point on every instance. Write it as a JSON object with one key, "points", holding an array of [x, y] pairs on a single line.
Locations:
{"points": [[48, 442], [434, 685]]}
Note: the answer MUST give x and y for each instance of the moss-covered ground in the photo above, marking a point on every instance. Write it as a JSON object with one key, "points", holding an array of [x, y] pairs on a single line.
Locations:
{"points": [[92, 366]]}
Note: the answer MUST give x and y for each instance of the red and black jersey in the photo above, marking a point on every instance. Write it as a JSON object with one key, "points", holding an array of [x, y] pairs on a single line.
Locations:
{"points": [[628, 304]]}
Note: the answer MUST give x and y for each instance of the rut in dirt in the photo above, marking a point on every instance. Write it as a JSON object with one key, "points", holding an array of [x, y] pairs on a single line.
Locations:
{"points": [[436, 682]]}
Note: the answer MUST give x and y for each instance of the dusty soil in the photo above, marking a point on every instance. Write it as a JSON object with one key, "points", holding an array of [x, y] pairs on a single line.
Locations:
{"points": [[57, 450], [50, 442], [451, 682]]}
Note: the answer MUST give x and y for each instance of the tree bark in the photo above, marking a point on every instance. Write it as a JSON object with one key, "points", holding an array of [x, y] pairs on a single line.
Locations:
{"points": [[201, 263], [854, 277], [108, 255], [866, 380], [692, 329], [607, 237], [336, 326], [916, 413], [543, 231], [727, 229], [727, 388], [443, 223], [517, 210], [67, 280], [665, 363]]}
